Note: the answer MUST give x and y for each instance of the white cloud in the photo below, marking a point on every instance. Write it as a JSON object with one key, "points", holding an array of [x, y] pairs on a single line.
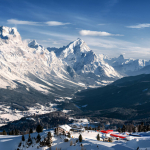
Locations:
{"points": [[97, 33], [144, 25], [56, 23], [49, 23], [14, 21]]}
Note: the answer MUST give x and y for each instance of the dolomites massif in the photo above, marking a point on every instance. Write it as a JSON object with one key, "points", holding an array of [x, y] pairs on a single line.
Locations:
{"points": [[50, 70]]}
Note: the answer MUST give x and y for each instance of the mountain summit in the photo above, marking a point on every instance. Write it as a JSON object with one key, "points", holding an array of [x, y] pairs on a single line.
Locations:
{"points": [[7, 33]]}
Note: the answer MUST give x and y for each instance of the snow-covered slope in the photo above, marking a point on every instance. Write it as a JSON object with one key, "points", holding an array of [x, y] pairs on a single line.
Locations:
{"points": [[84, 62], [31, 65], [89, 142], [127, 66]]}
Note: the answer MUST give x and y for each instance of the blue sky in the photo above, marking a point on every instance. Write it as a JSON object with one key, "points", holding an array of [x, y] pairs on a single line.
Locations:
{"points": [[110, 27]]}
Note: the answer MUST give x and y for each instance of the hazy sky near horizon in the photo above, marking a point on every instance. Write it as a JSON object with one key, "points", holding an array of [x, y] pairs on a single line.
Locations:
{"points": [[110, 27]]}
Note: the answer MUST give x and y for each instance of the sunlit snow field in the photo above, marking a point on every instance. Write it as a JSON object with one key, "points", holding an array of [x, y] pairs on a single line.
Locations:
{"points": [[89, 142]]}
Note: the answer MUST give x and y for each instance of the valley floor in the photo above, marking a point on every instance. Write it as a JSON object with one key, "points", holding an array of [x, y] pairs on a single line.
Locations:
{"points": [[7, 114]]}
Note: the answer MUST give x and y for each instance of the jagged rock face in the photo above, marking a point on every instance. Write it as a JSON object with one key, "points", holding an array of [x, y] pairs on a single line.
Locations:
{"points": [[9, 34], [72, 67], [38, 48], [85, 62], [31, 65]]}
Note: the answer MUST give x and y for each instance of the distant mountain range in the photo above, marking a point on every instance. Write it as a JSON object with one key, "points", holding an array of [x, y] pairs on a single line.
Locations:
{"points": [[128, 67]]}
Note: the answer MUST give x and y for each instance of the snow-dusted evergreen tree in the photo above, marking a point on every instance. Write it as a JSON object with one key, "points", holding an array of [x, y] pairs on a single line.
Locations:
{"points": [[69, 135], [39, 128], [49, 135], [38, 137], [98, 137], [80, 138], [4, 132], [23, 138], [31, 131]]}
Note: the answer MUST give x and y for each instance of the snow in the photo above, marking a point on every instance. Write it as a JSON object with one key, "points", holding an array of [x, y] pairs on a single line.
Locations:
{"points": [[79, 122], [89, 142], [65, 127], [7, 114], [125, 65], [18, 59], [66, 111]]}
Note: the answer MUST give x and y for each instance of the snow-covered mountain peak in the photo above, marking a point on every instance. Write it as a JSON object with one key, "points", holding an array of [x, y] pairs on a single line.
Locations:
{"points": [[74, 49], [35, 45], [78, 42], [79, 45], [84, 61], [7, 33], [121, 57]]}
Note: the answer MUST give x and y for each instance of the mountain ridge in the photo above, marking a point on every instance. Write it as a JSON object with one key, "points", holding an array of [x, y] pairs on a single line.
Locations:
{"points": [[35, 68]]}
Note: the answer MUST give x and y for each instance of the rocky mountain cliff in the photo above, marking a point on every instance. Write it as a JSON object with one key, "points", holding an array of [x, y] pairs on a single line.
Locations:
{"points": [[31, 69]]}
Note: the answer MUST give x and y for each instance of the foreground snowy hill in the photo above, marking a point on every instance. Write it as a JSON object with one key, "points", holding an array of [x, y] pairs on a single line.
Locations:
{"points": [[89, 142]]}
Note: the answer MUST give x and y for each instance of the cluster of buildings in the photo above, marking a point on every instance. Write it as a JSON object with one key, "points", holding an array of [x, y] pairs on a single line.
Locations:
{"points": [[66, 128]]}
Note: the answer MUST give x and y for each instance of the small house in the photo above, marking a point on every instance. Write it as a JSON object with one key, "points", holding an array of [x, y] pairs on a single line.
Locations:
{"points": [[64, 129], [78, 129]]}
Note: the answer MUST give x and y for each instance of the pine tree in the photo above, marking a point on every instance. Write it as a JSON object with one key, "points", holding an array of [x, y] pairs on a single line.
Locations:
{"points": [[134, 129], [10, 132], [13, 133], [38, 137], [98, 137], [31, 131], [123, 128], [39, 129], [80, 138], [139, 128], [16, 132], [119, 129], [56, 131], [69, 135], [148, 127], [4, 132], [49, 135], [29, 138], [23, 138]]}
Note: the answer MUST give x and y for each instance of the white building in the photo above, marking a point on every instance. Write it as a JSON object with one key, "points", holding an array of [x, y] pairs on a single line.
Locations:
{"points": [[64, 128]]}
